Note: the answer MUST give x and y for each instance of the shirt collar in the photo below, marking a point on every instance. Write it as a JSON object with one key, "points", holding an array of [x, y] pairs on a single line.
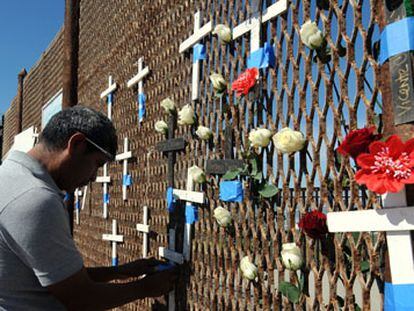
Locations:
{"points": [[35, 167]]}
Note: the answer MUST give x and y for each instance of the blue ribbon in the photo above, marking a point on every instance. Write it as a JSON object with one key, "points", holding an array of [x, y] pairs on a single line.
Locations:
{"points": [[141, 106], [398, 297], [199, 52], [170, 199], [397, 38], [109, 98], [262, 58], [191, 214], [77, 205], [106, 197], [127, 180], [114, 262], [231, 191]]}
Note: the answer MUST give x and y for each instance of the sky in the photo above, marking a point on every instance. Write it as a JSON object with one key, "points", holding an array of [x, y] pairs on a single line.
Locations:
{"points": [[26, 29]]}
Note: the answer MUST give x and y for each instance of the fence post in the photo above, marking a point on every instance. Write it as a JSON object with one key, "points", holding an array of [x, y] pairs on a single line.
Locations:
{"points": [[70, 69]]}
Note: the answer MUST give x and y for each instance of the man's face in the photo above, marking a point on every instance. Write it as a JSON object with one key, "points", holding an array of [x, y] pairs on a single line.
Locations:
{"points": [[81, 165]]}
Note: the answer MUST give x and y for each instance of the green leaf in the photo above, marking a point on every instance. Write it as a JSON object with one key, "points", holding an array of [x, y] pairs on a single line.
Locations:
{"points": [[253, 163], [258, 176], [365, 266], [268, 191], [290, 291], [232, 174]]}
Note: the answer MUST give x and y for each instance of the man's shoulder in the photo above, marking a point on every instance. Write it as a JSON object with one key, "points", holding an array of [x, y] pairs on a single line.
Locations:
{"points": [[31, 202]]}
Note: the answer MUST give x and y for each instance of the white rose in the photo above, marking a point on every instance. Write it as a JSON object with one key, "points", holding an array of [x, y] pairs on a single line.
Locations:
{"points": [[222, 216], [161, 127], [197, 174], [204, 132], [260, 137], [168, 104], [223, 33], [186, 115], [310, 35], [288, 140], [291, 256], [219, 84], [249, 270]]}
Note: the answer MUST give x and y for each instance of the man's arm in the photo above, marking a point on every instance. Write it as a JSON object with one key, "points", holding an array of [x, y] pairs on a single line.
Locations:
{"points": [[131, 269], [80, 292]]}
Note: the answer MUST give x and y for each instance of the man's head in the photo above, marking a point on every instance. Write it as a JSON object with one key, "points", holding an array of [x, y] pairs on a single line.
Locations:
{"points": [[80, 140]]}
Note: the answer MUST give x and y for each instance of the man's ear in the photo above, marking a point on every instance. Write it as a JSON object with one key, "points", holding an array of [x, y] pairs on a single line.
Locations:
{"points": [[77, 144]]}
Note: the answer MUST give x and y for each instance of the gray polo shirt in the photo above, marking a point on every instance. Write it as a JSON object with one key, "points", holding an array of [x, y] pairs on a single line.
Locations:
{"points": [[36, 248]]}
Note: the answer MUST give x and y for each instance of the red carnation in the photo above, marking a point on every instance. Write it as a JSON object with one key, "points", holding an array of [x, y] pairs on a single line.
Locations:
{"points": [[245, 81], [314, 224], [388, 166], [357, 141]]}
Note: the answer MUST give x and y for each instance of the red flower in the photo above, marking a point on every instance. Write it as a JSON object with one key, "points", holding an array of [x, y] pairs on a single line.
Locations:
{"points": [[245, 81], [388, 165], [314, 224], [357, 141]]}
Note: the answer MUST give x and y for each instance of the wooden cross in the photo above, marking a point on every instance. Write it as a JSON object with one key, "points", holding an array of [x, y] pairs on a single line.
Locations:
{"points": [[138, 78], [220, 167], [114, 238], [105, 180], [396, 220], [144, 228], [199, 33], [108, 93], [125, 177], [253, 24]]}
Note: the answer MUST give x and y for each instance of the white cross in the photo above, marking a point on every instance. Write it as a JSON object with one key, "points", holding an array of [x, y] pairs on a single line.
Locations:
{"points": [[78, 195], [111, 88], [199, 33], [138, 78], [114, 238], [396, 220], [105, 180], [253, 24], [124, 157], [144, 228]]}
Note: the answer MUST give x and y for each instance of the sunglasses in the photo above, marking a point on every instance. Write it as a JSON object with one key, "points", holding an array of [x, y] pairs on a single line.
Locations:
{"points": [[108, 154]]}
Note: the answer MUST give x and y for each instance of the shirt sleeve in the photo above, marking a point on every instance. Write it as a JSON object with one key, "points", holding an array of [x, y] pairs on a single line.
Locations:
{"points": [[36, 228]]}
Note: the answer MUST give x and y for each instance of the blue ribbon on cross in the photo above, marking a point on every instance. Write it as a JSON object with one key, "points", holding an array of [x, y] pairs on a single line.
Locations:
{"points": [[231, 191], [199, 52], [170, 199], [398, 297], [262, 58], [106, 197], [141, 106], [191, 214], [397, 38], [127, 180]]}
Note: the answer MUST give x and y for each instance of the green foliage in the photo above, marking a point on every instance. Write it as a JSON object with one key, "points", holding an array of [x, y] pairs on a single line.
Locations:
{"points": [[268, 190], [290, 291]]}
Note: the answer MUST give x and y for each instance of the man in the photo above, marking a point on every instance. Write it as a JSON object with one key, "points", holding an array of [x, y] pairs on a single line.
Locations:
{"points": [[40, 267]]}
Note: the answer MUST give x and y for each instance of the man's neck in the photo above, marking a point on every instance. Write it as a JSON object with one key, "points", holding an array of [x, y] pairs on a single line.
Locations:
{"points": [[49, 160]]}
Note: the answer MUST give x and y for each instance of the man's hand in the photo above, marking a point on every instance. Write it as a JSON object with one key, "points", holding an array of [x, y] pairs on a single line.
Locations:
{"points": [[139, 267], [159, 283]]}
